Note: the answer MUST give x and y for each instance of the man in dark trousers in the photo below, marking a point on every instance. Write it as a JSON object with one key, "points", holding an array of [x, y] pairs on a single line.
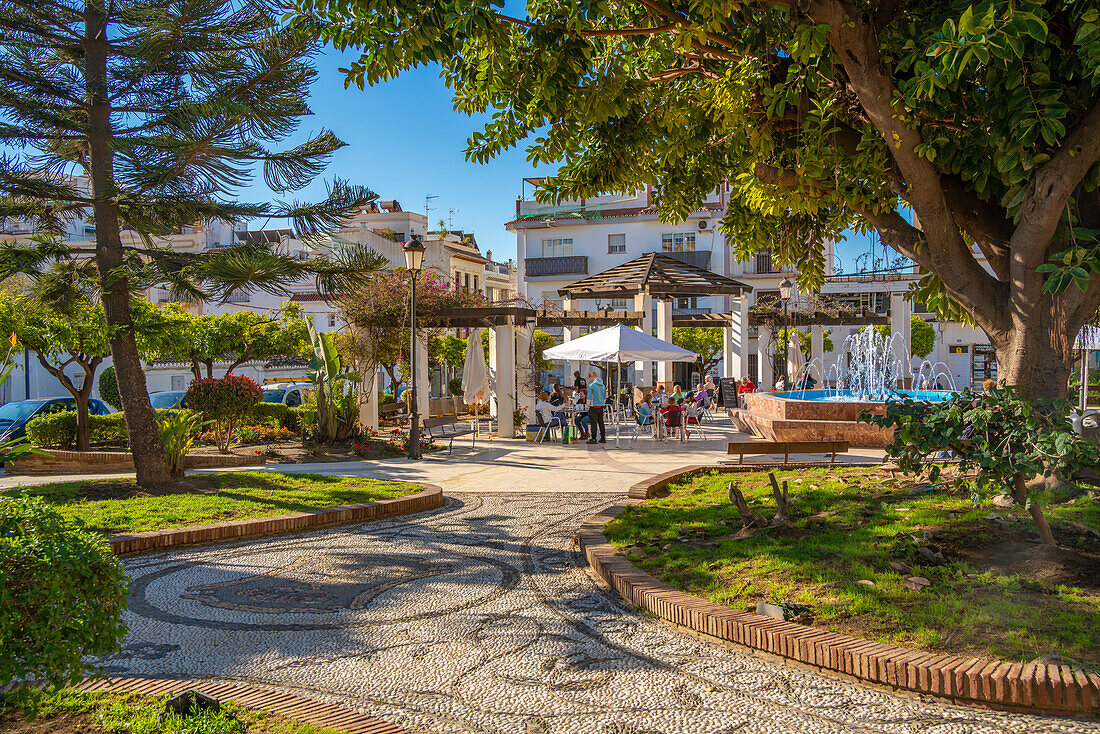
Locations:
{"points": [[597, 398]]}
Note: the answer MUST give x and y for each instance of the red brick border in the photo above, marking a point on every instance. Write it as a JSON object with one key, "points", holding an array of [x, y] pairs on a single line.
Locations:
{"points": [[93, 462], [299, 708], [431, 497], [1000, 684]]}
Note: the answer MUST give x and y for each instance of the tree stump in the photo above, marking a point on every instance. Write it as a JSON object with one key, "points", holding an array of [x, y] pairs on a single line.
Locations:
{"points": [[782, 502], [737, 499]]}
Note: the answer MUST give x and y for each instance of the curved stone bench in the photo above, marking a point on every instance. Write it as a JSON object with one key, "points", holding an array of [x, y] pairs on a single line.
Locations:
{"points": [[221, 532], [1060, 689]]}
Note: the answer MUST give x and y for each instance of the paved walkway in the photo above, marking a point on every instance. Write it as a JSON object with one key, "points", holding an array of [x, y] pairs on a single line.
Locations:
{"points": [[479, 617], [517, 466]]}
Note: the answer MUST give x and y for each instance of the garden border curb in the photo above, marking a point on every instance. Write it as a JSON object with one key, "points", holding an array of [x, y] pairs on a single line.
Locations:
{"points": [[223, 532], [299, 708], [1031, 687]]}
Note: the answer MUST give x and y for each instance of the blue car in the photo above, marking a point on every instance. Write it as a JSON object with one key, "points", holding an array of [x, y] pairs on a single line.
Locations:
{"points": [[167, 399], [14, 416]]}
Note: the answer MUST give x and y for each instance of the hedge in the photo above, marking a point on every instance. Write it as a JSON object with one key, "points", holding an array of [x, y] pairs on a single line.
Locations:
{"points": [[59, 429], [62, 595], [264, 413]]}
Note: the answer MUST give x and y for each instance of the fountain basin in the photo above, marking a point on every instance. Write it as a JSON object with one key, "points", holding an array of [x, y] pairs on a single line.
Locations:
{"points": [[819, 415]]}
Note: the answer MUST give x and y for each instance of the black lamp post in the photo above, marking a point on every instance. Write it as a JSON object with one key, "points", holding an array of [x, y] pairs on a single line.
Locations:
{"points": [[785, 287], [414, 260]]}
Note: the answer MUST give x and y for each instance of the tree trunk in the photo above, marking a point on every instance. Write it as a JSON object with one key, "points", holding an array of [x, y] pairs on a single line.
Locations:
{"points": [[83, 421], [150, 458], [1019, 493]]}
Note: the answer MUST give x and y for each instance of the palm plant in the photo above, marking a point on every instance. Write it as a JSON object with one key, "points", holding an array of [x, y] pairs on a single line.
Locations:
{"points": [[146, 116]]}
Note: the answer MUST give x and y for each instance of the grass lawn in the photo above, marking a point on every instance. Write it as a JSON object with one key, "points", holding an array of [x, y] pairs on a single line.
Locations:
{"points": [[68, 711], [119, 506], [994, 591]]}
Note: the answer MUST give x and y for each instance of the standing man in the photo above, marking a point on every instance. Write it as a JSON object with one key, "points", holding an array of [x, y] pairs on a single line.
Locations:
{"points": [[597, 398], [578, 381]]}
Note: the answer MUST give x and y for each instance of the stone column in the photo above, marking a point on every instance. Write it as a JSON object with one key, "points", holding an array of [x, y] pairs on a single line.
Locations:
{"points": [[368, 399], [901, 312], [505, 351], [568, 334], [526, 373], [767, 374], [423, 380], [736, 342], [664, 332], [817, 345], [643, 370]]}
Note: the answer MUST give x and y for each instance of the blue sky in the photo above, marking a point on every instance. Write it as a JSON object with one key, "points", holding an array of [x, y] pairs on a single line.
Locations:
{"points": [[405, 141]]}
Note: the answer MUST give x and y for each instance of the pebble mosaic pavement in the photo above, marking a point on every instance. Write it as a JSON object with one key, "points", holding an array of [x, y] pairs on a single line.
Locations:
{"points": [[480, 617]]}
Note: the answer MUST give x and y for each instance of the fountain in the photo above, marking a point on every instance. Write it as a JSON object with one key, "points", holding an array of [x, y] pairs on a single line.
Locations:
{"points": [[872, 369]]}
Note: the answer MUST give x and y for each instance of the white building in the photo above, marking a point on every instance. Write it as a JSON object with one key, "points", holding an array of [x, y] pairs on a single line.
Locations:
{"points": [[557, 246]]}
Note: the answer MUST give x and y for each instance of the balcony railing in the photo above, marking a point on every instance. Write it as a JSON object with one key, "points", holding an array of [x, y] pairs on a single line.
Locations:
{"points": [[689, 311], [697, 258], [570, 265]]}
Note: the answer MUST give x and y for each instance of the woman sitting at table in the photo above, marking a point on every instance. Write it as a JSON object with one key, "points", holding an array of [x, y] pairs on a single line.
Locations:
{"points": [[556, 398], [580, 420], [645, 414]]}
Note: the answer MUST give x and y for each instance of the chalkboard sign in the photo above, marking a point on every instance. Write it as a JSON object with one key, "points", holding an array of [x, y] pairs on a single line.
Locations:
{"points": [[727, 392]]}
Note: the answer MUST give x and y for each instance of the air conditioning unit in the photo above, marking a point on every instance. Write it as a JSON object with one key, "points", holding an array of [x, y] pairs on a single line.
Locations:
{"points": [[703, 223]]}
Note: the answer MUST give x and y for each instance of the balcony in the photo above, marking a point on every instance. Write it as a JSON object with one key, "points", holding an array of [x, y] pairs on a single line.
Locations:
{"points": [[690, 311], [571, 265], [696, 258]]}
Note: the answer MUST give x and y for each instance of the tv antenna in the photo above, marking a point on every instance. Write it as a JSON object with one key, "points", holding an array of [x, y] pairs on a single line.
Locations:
{"points": [[427, 203], [451, 218]]}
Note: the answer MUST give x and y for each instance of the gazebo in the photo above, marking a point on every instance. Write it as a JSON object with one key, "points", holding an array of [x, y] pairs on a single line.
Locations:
{"points": [[662, 277]]}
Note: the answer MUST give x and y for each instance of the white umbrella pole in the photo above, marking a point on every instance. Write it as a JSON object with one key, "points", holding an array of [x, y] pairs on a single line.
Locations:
{"points": [[1084, 380], [618, 374]]}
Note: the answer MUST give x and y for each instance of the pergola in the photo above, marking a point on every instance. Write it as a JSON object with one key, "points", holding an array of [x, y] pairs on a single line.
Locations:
{"points": [[661, 277]]}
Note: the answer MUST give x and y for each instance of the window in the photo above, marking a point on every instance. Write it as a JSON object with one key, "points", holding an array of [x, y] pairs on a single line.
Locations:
{"points": [[678, 242], [616, 243], [691, 302], [562, 247], [764, 261], [754, 367], [620, 303], [332, 320], [238, 296], [177, 382], [475, 284], [398, 236], [466, 281]]}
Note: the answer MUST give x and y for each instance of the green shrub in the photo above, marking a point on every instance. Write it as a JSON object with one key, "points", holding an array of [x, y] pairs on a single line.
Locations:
{"points": [[62, 594], [302, 415], [178, 430], [454, 385], [227, 401], [263, 414], [108, 388], [59, 430]]}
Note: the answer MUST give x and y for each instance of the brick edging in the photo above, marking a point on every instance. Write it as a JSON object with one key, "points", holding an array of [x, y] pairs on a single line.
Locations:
{"points": [[1060, 689], [430, 498], [299, 708]]}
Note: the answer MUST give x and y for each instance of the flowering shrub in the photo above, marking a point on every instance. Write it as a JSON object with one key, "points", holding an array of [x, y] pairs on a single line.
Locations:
{"points": [[226, 401], [263, 434]]}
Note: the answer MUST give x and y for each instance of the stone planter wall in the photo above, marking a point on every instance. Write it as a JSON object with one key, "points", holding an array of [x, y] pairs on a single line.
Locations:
{"points": [[105, 462]]}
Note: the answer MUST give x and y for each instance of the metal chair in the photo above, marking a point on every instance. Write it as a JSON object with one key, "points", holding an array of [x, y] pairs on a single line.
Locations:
{"points": [[546, 427], [640, 421]]}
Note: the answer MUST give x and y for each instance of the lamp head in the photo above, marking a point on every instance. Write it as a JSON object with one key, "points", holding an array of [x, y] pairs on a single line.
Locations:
{"points": [[785, 287], [414, 254]]}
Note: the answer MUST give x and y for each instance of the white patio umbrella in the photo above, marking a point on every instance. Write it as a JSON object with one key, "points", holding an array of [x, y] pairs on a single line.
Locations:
{"points": [[1088, 339], [475, 377], [619, 344], [795, 359]]}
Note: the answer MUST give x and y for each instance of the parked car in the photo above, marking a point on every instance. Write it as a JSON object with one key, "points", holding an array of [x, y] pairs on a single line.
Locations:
{"points": [[14, 416], [291, 395], [167, 399]]}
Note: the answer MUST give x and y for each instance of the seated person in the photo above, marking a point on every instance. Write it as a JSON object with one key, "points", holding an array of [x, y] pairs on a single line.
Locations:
{"points": [[546, 411], [673, 414], [556, 397], [807, 382], [702, 399], [645, 414], [691, 411], [580, 420]]}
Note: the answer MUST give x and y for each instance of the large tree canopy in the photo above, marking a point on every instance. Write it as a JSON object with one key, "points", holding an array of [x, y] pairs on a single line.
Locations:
{"points": [[982, 120]]}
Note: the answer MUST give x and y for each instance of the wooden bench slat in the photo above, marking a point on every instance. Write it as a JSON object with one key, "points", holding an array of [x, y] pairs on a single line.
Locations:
{"points": [[787, 448]]}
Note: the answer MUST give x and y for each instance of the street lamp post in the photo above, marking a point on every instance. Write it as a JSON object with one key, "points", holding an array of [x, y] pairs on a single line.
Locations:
{"points": [[785, 287], [414, 260]]}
